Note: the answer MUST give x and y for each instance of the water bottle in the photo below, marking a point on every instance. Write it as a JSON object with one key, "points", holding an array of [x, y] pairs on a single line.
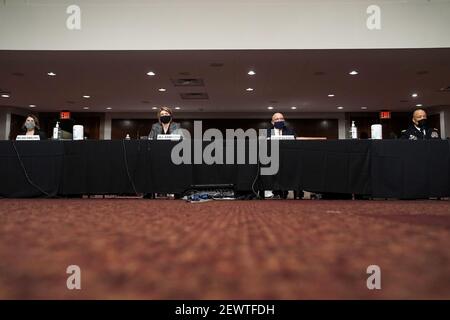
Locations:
{"points": [[354, 131]]}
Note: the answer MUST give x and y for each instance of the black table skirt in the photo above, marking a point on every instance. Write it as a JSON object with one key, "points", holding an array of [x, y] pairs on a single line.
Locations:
{"points": [[339, 166], [410, 169], [383, 169], [43, 163]]}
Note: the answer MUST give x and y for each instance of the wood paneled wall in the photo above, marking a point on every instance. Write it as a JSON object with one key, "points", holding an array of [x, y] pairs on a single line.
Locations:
{"points": [[304, 127]]}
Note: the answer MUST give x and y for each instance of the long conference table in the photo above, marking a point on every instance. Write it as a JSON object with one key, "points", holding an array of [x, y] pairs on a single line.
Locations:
{"points": [[375, 168]]}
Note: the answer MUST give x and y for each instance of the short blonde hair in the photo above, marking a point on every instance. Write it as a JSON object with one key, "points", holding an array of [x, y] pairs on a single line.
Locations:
{"points": [[167, 109]]}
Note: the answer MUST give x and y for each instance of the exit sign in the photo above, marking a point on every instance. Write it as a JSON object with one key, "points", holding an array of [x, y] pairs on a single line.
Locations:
{"points": [[64, 115], [385, 115]]}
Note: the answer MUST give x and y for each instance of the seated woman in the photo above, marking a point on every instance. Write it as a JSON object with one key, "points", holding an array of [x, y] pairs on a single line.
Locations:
{"points": [[31, 127], [165, 125]]}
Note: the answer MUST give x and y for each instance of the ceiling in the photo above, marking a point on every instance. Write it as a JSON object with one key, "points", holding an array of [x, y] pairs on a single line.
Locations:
{"points": [[283, 79]]}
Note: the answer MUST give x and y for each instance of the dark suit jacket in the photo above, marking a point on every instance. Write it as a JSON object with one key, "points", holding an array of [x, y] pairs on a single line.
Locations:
{"points": [[286, 131], [174, 128], [37, 132]]}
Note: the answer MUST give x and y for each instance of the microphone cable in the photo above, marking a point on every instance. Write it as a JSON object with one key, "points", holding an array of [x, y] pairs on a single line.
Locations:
{"points": [[25, 172], [127, 168]]}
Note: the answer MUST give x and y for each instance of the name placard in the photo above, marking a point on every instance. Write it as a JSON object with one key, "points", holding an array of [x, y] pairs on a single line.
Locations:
{"points": [[286, 137], [168, 137], [24, 137]]}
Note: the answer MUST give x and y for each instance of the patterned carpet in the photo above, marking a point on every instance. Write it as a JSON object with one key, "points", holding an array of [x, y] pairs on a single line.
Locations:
{"points": [[169, 249]]}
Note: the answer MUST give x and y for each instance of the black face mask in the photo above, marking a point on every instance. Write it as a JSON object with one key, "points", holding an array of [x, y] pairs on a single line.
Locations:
{"points": [[278, 124], [422, 123], [165, 119]]}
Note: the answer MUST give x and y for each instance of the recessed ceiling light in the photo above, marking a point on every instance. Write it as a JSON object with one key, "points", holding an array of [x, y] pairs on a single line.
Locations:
{"points": [[270, 108], [151, 73], [86, 108], [414, 95], [293, 108], [51, 74], [340, 108], [5, 95], [177, 108], [249, 89], [161, 90], [331, 95], [353, 72], [364, 108], [251, 73], [419, 105], [32, 106], [154, 108], [216, 64], [108, 108], [86, 96]]}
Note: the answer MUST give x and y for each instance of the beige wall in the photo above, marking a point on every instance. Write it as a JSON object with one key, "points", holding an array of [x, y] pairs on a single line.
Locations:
{"points": [[218, 24], [445, 124], [5, 123]]}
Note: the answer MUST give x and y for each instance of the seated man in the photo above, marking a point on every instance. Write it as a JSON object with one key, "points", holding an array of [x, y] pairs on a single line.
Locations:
{"points": [[279, 127], [418, 129]]}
